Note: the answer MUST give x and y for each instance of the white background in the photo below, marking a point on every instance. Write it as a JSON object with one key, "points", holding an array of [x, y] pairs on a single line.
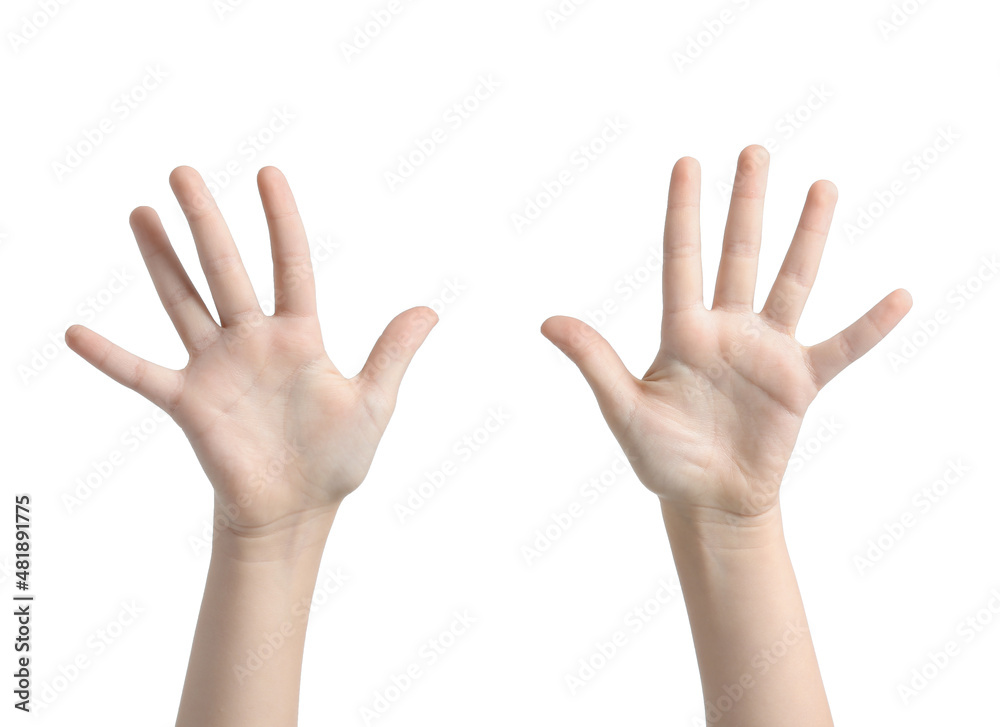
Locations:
{"points": [[881, 433]]}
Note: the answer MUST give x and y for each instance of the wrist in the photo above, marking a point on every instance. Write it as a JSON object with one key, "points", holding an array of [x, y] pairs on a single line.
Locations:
{"points": [[293, 538], [718, 530]]}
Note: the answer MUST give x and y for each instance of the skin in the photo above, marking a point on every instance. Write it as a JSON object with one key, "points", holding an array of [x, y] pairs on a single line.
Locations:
{"points": [[282, 435], [711, 426]]}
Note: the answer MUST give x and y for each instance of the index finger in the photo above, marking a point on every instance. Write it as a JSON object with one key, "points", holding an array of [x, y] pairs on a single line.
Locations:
{"points": [[682, 281]]}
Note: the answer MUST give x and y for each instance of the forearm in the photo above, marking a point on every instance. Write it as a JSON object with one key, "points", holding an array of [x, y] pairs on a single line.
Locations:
{"points": [[246, 660], [756, 657]]}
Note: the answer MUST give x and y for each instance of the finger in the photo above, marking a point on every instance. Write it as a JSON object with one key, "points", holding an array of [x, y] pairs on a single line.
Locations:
{"points": [[158, 384], [829, 358], [798, 271], [294, 286], [612, 384], [741, 240], [227, 278], [389, 359], [682, 239], [187, 311]]}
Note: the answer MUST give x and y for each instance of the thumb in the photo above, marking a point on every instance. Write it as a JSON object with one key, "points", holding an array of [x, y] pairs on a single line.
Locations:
{"points": [[393, 351], [613, 385]]}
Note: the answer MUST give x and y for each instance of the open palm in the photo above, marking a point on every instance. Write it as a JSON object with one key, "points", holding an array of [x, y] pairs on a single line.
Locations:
{"points": [[279, 431], [713, 422]]}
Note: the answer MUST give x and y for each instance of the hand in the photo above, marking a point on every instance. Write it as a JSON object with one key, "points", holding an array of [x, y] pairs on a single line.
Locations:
{"points": [[713, 422], [280, 432]]}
